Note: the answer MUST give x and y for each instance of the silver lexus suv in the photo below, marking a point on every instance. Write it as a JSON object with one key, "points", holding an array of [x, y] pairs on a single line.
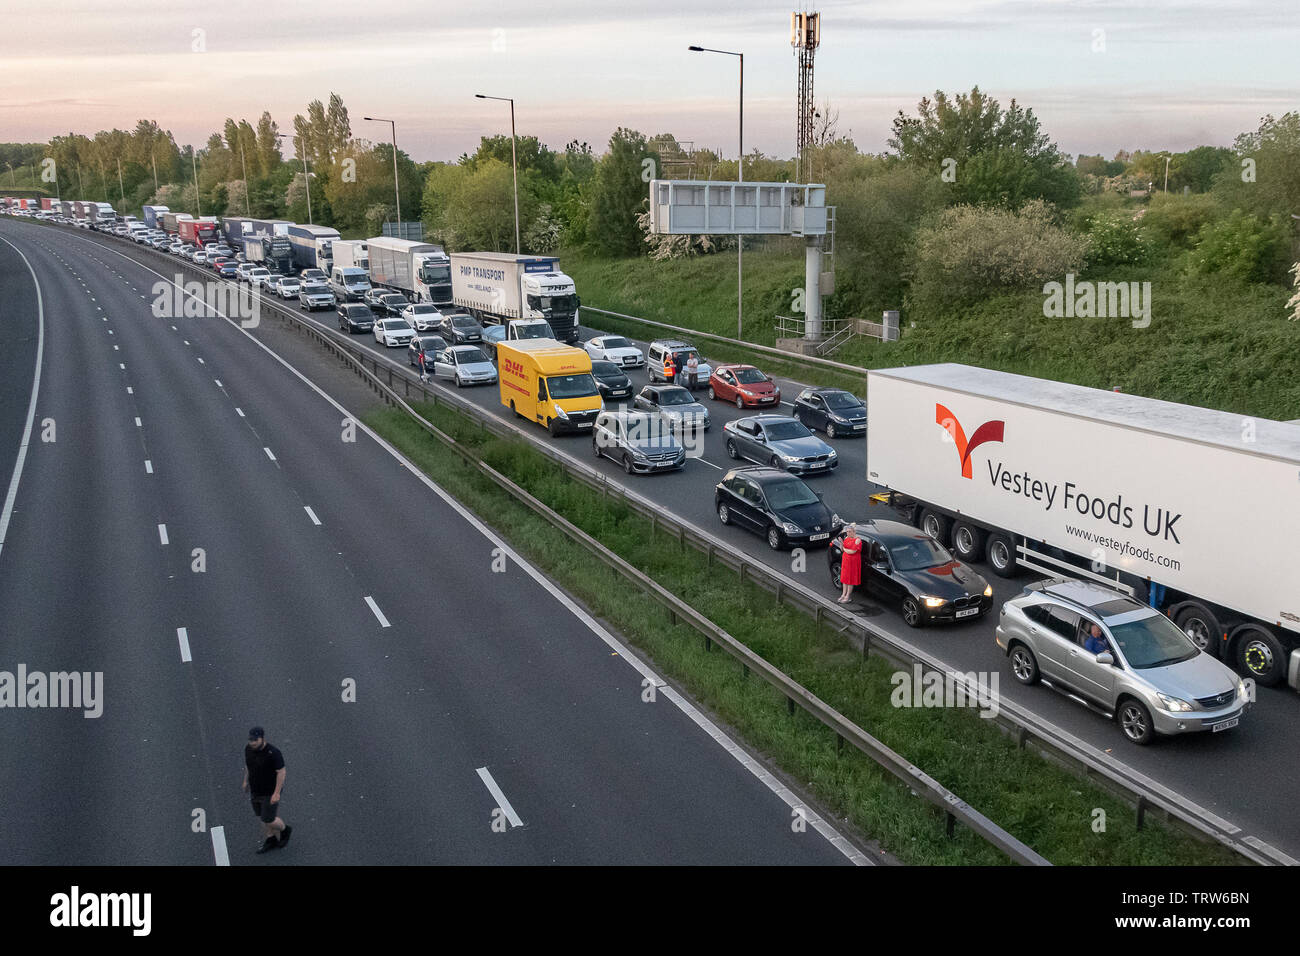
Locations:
{"points": [[1120, 657]]}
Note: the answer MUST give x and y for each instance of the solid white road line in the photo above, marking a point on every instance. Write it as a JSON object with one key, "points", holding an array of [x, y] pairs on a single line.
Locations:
{"points": [[269, 453], [311, 514], [12, 494], [162, 533], [502, 803], [184, 640], [219, 853], [383, 621], [239, 412]]}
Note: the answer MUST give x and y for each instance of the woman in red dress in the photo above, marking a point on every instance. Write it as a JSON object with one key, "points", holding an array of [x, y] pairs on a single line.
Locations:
{"points": [[850, 563]]}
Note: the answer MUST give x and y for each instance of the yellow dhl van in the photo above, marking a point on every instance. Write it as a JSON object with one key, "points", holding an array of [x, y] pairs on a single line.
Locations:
{"points": [[548, 382]]}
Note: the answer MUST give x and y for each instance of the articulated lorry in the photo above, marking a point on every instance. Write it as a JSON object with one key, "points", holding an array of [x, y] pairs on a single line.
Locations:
{"points": [[419, 270], [153, 216], [496, 287], [102, 214], [312, 246], [199, 232], [172, 222], [1192, 510]]}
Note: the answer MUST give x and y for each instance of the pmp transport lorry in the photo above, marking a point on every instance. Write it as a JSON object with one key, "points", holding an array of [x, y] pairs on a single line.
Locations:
{"points": [[549, 383], [496, 287], [1194, 510]]}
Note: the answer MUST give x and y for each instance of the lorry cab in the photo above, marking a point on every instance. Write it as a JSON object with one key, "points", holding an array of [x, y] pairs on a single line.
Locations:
{"points": [[550, 383]]}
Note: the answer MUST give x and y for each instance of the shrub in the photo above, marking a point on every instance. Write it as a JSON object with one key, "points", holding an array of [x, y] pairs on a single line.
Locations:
{"points": [[1243, 247], [1175, 220], [1114, 239]]}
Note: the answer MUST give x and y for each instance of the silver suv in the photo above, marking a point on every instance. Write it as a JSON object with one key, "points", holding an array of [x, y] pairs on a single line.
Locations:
{"points": [[662, 349], [1119, 657]]}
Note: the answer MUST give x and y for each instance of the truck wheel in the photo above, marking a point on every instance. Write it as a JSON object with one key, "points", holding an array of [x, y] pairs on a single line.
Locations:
{"points": [[1202, 627], [1260, 655], [1002, 555], [1024, 666], [1135, 720], [968, 541], [937, 526]]}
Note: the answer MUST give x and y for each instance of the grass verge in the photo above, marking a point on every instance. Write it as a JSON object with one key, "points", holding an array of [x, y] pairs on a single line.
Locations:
{"points": [[1043, 805]]}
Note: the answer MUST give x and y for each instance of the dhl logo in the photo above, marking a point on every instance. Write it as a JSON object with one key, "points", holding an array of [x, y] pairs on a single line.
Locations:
{"points": [[513, 367]]}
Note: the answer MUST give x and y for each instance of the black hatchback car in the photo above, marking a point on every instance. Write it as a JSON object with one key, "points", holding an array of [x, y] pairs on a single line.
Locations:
{"points": [[838, 413], [393, 304], [613, 384], [775, 504], [355, 317], [905, 565], [428, 346], [460, 329]]}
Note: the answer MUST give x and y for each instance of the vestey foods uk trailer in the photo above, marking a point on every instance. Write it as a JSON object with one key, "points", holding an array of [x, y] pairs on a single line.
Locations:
{"points": [[1195, 510]]}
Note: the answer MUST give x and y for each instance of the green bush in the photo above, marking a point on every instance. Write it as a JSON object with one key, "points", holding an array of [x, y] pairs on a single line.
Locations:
{"points": [[1175, 220], [1115, 239], [1243, 247]]}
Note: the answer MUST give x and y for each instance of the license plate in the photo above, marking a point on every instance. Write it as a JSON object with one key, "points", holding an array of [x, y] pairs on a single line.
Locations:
{"points": [[819, 537], [767, 400], [622, 394], [818, 464], [859, 428], [586, 424], [969, 612], [1225, 724]]}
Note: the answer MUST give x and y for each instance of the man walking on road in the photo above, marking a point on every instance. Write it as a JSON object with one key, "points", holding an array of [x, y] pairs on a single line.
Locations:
{"points": [[264, 778]]}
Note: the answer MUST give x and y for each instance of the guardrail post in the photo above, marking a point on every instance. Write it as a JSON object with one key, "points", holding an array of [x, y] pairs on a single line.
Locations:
{"points": [[709, 557], [839, 745], [789, 706], [866, 643], [950, 824], [708, 643], [780, 592], [1141, 811]]}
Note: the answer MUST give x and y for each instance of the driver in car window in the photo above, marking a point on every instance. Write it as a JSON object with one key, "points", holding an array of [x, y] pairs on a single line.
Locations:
{"points": [[1096, 642]]}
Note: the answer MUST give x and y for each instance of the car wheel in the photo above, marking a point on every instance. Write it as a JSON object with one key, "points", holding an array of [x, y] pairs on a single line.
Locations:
{"points": [[712, 394], [1202, 627], [774, 540], [550, 427], [911, 612], [731, 449], [937, 526], [774, 461], [459, 383], [1260, 655], [968, 541], [830, 429], [1002, 556], [1135, 720], [835, 573], [595, 446], [740, 403], [724, 513], [516, 411], [627, 463], [1024, 666]]}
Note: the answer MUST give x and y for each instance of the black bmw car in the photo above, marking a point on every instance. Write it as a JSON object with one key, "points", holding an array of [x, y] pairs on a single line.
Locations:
{"points": [[838, 413], [905, 565], [613, 384], [775, 504]]}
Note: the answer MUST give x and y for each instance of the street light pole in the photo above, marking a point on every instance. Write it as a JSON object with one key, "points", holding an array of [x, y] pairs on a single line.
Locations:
{"points": [[120, 188], [244, 164], [194, 161], [740, 175], [514, 162], [1167, 158], [397, 188], [306, 180]]}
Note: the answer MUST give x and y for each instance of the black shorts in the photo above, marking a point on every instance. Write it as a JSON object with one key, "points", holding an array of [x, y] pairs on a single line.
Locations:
{"points": [[264, 809]]}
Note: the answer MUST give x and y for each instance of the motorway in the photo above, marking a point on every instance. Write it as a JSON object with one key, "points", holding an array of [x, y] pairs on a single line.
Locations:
{"points": [[1245, 776], [201, 531]]}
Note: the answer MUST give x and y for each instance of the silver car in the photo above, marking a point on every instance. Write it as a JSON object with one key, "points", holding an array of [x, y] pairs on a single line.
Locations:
{"points": [[779, 441], [1119, 657], [676, 404], [466, 365]]}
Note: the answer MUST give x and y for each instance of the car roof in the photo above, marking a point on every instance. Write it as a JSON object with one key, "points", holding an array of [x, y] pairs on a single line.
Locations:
{"points": [[767, 419], [672, 344], [734, 366], [1096, 597], [761, 473]]}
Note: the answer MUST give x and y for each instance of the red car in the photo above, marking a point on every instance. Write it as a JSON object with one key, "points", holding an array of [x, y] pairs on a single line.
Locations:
{"points": [[745, 385]]}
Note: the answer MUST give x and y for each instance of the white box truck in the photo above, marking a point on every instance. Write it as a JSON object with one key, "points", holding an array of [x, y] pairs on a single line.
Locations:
{"points": [[496, 287], [351, 254], [1193, 510], [419, 270]]}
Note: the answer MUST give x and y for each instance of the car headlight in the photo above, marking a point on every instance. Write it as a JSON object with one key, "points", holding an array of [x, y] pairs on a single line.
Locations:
{"points": [[561, 413], [934, 601], [791, 528], [835, 520], [789, 457], [833, 455], [1242, 692], [1173, 703], [988, 590]]}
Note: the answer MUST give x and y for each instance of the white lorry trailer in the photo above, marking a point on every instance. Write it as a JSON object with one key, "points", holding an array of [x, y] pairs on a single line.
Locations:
{"points": [[1192, 510], [496, 287], [419, 270]]}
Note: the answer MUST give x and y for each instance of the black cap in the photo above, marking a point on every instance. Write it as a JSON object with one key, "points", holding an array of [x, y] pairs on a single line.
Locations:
{"points": [[256, 733]]}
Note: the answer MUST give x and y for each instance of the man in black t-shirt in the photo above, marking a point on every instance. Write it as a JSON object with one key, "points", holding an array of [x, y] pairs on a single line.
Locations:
{"points": [[264, 778]]}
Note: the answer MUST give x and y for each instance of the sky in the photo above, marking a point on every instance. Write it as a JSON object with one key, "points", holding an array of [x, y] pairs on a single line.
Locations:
{"points": [[1101, 75]]}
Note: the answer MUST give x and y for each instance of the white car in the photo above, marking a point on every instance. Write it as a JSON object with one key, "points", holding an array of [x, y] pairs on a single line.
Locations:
{"points": [[288, 287], [616, 349], [423, 315], [393, 332]]}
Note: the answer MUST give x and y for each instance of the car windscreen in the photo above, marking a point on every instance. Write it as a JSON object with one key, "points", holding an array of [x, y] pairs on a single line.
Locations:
{"points": [[788, 493], [749, 376], [842, 400], [605, 370], [432, 343], [395, 300], [539, 331], [676, 396], [469, 357], [917, 553], [784, 431], [1153, 641], [423, 308], [357, 311], [398, 325], [571, 386], [614, 342], [463, 322]]}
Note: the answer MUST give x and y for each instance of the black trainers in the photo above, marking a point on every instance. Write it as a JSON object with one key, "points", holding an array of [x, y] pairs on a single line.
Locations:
{"points": [[284, 836], [270, 843]]}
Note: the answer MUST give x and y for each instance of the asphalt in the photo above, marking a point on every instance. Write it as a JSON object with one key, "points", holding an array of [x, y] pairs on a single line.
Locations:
{"points": [[1245, 775], [480, 676]]}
